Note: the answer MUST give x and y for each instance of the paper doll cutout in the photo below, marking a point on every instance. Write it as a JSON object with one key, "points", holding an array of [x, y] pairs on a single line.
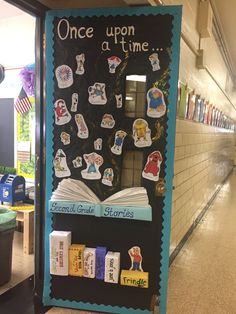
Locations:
{"points": [[98, 144], [82, 126], [156, 104], [108, 176], [77, 162], [74, 102], [119, 101], [155, 63], [97, 94], [65, 138], [152, 168], [60, 165], [113, 63], [118, 142], [93, 161], [136, 258], [80, 59], [141, 133], [62, 115], [64, 76], [108, 121]]}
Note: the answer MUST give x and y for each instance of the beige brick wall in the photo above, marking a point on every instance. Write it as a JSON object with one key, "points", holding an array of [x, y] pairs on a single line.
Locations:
{"points": [[203, 159]]}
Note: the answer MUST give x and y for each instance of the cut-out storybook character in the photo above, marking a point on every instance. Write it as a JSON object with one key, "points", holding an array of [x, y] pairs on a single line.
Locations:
{"points": [[82, 126], [97, 94], [108, 121], [60, 165], [156, 103], [155, 63], [141, 133], [136, 258], [108, 176], [74, 102], [118, 142], [113, 63], [64, 76], [80, 59], [77, 162], [93, 161], [65, 138], [119, 101], [62, 115], [98, 144], [152, 168]]}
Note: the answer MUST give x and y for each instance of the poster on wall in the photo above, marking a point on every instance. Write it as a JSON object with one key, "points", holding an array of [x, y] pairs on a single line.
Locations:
{"points": [[25, 130], [111, 91]]}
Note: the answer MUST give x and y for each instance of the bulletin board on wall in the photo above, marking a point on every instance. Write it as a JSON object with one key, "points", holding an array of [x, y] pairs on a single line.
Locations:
{"points": [[111, 104]]}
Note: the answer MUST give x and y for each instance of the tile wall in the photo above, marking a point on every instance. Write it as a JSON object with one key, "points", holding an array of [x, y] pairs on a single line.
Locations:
{"points": [[203, 159]]}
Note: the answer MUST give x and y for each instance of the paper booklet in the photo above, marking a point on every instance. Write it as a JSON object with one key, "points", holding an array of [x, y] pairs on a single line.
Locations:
{"points": [[75, 197]]}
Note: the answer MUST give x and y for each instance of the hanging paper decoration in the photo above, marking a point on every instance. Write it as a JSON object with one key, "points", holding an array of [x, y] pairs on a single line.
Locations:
{"points": [[108, 176], [156, 104], [108, 121], [64, 76], [118, 142], [74, 102], [136, 258], [60, 165], [113, 63], [97, 94], [27, 76], [196, 114], [93, 161], [152, 168], [141, 133], [82, 126], [155, 63], [183, 101], [191, 105], [80, 59], [62, 115]]}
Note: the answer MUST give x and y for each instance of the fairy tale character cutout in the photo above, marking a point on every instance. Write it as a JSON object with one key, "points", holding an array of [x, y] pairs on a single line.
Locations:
{"points": [[156, 103], [93, 161], [141, 133], [62, 115], [152, 168]]}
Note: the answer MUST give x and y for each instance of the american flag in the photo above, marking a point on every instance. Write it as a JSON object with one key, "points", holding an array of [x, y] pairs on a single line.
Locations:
{"points": [[22, 103]]}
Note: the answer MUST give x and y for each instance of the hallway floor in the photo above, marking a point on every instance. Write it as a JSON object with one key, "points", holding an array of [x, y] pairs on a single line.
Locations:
{"points": [[202, 279], [22, 264]]}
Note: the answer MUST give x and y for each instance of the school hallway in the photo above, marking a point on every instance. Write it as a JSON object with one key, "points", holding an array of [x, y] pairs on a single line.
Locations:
{"points": [[202, 278]]}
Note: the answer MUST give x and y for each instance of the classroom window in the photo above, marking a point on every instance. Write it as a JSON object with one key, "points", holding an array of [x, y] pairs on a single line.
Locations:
{"points": [[135, 96], [131, 169]]}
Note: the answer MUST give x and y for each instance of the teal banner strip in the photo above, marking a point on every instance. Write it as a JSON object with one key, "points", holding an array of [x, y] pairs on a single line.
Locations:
{"points": [[101, 210]]}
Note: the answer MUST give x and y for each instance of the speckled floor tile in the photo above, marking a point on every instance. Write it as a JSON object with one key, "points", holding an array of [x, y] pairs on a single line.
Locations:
{"points": [[202, 279]]}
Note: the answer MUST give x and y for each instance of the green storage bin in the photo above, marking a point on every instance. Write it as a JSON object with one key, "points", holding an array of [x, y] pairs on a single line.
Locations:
{"points": [[7, 227]]}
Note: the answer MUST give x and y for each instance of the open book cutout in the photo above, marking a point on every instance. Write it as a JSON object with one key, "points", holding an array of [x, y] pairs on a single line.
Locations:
{"points": [[75, 197]]}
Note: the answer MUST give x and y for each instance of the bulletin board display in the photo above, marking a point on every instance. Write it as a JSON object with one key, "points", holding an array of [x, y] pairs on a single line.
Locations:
{"points": [[91, 54]]}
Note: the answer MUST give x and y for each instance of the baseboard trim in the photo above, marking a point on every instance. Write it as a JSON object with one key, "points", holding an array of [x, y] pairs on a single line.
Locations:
{"points": [[196, 222]]}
